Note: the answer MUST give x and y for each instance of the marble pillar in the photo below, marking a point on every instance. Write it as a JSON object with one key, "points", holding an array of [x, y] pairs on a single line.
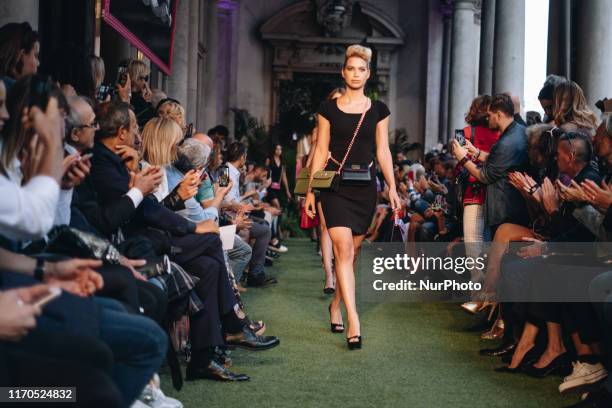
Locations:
{"points": [[463, 67], [509, 52], [177, 82], [18, 11], [191, 107], [593, 56], [487, 36]]}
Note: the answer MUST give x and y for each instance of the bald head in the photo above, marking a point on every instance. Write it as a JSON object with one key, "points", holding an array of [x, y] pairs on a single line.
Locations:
{"points": [[205, 139], [516, 102]]}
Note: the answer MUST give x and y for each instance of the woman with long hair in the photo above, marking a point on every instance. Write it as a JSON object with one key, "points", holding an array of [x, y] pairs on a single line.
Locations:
{"points": [[571, 112], [349, 128], [19, 48]]}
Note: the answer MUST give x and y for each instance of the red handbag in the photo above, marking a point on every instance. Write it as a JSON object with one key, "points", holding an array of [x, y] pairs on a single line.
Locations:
{"points": [[306, 222]]}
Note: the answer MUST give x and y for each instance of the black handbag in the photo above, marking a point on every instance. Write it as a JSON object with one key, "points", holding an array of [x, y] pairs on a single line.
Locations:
{"points": [[356, 174], [75, 243]]}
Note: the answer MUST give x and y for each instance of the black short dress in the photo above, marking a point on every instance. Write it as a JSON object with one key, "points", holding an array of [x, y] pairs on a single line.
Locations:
{"points": [[351, 206]]}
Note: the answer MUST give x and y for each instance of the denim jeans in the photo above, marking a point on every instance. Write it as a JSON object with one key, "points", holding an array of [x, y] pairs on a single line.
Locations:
{"points": [[138, 344], [239, 256]]}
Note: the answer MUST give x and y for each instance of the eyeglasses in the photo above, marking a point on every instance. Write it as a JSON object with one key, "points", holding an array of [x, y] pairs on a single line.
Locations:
{"points": [[144, 78], [94, 125]]}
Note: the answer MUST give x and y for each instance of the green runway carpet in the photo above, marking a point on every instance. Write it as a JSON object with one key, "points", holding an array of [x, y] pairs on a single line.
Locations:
{"points": [[415, 355]]}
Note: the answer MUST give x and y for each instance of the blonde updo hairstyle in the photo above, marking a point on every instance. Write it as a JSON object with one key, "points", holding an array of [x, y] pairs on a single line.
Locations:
{"points": [[172, 110], [358, 51]]}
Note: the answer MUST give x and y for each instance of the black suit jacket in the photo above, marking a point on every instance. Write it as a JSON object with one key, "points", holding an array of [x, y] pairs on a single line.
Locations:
{"points": [[106, 218], [110, 179]]}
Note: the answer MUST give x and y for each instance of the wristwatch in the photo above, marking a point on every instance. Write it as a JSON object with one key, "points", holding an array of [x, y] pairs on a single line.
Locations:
{"points": [[39, 271], [464, 160]]}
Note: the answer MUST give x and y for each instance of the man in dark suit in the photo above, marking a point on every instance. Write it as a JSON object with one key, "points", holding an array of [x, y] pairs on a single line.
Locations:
{"points": [[503, 202], [199, 247]]}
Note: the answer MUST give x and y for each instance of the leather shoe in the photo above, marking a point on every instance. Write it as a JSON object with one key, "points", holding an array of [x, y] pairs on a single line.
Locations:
{"points": [[561, 364], [247, 339], [505, 348], [213, 371]]}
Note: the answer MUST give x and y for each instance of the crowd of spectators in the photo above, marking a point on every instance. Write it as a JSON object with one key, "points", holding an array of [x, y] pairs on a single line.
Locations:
{"points": [[110, 196]]}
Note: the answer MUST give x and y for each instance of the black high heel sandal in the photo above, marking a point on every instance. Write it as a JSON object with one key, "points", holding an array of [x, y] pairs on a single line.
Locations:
{"points": [[335, 327], [354, 345]]}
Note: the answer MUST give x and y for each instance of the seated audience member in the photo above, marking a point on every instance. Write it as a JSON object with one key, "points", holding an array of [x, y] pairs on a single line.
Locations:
{"points": [[200, 251], [236, 159]]}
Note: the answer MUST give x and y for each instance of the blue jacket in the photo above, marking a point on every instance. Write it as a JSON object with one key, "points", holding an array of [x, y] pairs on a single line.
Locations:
{"points": [[503, 202]]}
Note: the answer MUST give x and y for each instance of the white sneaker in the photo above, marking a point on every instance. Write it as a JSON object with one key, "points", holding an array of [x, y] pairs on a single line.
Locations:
{"points": [[582, 374], [139, 404], [281, 249], [155, 398]]}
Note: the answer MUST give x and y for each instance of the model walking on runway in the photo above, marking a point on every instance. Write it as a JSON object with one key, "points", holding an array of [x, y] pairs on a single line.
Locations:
{"points": [[349, 129]]}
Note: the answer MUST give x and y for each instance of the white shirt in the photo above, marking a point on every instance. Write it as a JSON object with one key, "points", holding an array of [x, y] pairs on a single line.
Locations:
{"points": [[234, 193], [27, 213]]}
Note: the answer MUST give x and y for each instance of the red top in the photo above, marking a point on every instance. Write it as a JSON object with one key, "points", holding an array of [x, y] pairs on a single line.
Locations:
{"points": [[483, 139]]}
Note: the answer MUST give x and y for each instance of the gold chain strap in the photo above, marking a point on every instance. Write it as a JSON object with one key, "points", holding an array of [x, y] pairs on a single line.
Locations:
{"points": [[352, 140]]}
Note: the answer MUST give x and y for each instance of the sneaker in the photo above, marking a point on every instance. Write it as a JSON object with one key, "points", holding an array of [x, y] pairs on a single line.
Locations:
{"points": [[139, 404], [278, 248], [582, 374], [155, 398]]}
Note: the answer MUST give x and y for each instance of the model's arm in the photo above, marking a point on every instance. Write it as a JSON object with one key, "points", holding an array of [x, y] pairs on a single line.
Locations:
{"points": [[313, 147], [383, 155], [319, 157], [285, 182]]}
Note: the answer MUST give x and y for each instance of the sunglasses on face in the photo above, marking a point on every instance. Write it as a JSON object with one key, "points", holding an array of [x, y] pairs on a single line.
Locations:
{"points": [[144, 78]]}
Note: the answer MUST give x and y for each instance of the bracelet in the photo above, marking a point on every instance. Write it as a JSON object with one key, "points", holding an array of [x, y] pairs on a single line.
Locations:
{"points": [[464, 160], [39, 271]]}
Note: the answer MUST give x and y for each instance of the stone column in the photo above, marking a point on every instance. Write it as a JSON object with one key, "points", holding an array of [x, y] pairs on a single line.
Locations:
{"points": [[463, 68], [447, 20], [18, 11], [208, 88], [487, 36], [509, 53], [593, 57], [191, 102], [177, 82]]}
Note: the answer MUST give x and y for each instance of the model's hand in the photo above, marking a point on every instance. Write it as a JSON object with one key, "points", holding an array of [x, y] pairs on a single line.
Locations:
{"points": [[394, 200], [309, 205]]}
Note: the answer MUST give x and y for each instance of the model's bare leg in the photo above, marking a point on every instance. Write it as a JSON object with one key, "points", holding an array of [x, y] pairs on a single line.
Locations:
{"points": [[344, 250], [327, 253]]}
